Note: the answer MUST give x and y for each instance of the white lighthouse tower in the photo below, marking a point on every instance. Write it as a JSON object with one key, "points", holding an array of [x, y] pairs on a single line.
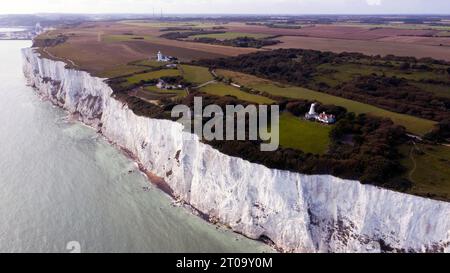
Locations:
{"points": [[312, 110], [160, 56], [312, 115]]}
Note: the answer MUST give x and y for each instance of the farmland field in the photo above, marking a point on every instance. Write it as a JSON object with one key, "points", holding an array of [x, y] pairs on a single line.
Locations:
{"points": [[153, 75], [177, 92], [121, 70], [398, 26], [365, 47], [336, 31], [221, 89], [230, 35], [345, 72], [102, 46], [158, 24], [196, 74], [151, 63], [413, 124], [418, 40]]}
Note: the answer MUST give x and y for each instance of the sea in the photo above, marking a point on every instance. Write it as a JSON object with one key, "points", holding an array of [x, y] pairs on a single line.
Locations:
{"points": [[63, 188]]}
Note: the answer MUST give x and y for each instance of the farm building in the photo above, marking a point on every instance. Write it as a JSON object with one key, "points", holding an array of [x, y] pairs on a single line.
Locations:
{"points": [[163, 85]]}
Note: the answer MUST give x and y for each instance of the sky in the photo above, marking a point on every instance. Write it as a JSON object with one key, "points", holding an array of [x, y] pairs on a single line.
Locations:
{"points": [[229, 6]]}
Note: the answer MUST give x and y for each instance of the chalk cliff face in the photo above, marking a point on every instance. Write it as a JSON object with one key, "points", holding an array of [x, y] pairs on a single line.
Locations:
{"points": [[297, 212]]}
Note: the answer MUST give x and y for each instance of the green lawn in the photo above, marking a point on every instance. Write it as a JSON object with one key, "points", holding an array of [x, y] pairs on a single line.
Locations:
{"points": [[345, 72], [220, 89], [153, 75], [429, 171], [121, 70], [414, 125], [230, 35], [177, 93], [195, 74], [149, 63], [307, 136]]}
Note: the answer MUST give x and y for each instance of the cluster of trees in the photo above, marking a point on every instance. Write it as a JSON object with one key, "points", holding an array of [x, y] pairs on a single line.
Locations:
{"points": [[290, 24], [186, 34], [370, 145], [300, 107], [239, 42], [363, 147], [285, 65], [175, 80], [182, 33], [300, 67], [396, 95], [50, 42], [441, 134]]}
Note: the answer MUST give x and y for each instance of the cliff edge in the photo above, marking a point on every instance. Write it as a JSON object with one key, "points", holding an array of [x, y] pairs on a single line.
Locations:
{"points": [[299, 213]]}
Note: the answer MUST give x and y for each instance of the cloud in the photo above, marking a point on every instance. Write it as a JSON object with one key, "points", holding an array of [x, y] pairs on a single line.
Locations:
{"points": [[373, 2]]}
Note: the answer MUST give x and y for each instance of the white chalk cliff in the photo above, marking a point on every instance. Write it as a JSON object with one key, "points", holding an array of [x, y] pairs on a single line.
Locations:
{"points": [[300, 213]]}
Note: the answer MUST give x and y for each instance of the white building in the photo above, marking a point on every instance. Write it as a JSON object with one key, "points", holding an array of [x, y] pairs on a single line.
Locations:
{"points": [[162, 58], [38, 29], [324, 117]]}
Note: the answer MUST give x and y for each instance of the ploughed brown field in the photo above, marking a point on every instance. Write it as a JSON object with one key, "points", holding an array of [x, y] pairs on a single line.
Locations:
{"points": [[97, 47], [373, 41], [332, 31], [368, 47], [102, 46]]}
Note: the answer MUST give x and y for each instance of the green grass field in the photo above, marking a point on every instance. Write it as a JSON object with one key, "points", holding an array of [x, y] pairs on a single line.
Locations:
{"points": [[412, 124], [307, 136], [429, 170], [220, 89], [153, 75], [230, 35], [149, 63], [131, 68], [195, 74], [121, 70], [345, 72], [179, 93]]}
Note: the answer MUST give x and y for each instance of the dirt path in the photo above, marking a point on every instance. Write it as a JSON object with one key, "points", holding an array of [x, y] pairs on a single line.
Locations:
{"points": [[411, 156], [100, 36], [58, 58], [205, 84]]}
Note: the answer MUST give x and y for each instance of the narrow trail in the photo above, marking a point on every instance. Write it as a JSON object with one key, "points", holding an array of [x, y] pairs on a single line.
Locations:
{"points": [[411, 156], [205, 84], [100, 36], [58, 58]]}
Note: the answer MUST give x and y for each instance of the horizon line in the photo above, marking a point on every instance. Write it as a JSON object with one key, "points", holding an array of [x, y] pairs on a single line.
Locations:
{"points": [[226, 14]]}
